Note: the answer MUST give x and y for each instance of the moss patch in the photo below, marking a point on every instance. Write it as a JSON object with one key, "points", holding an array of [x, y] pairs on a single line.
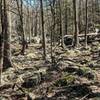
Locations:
{"points": [[66, 80]]}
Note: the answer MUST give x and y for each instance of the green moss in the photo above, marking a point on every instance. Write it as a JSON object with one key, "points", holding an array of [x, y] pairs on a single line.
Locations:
{"points": [[97, 26], [66, 80], [69, 79], [85, 70], [88, 73], [50, 89]]}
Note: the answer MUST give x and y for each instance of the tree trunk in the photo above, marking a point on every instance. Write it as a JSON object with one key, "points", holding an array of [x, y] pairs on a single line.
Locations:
{"points": [[43, 33], [86, 26], [35, 25], [52, 31], [62, 23], [1, 44], [20, 11], [76, 40], [1, 56], [6, 34], [66, 19]]}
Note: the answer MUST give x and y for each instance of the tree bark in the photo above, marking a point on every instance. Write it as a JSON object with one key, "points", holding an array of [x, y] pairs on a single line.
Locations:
{"points": [[62, 23], [7, 49], [43, 33], [86, 26], [20, 11], [1, 44], [76, 40]]}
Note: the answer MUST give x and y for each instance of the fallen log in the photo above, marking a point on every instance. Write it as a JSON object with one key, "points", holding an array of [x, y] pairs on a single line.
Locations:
{"points": [[91, 37]]}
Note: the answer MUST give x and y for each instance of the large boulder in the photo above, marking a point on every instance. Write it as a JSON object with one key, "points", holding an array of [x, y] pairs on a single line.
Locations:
{"points": [[36, 39], [68, 40]]}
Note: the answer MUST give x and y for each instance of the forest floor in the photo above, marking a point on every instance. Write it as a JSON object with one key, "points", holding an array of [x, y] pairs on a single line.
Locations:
{"points": [[75, 74]]}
